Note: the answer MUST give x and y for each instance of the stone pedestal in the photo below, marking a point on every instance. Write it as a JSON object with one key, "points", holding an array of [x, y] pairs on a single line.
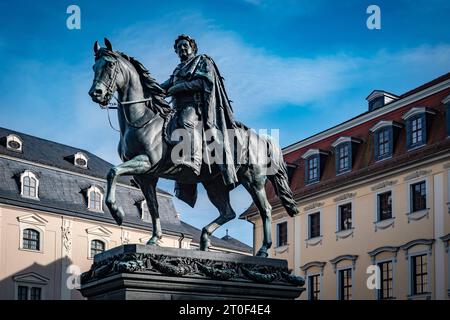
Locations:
{"points": [[133, 271]]}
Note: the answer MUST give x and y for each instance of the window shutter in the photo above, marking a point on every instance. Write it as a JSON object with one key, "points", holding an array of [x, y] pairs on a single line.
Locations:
{"points": [[336, 158], [350, 155], [375, 145], [391, 140], [426, 119], [408, 132], [306, 178]]}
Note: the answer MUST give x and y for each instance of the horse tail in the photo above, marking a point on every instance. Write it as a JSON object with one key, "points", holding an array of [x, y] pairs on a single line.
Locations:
{"points": [[280, 180]]}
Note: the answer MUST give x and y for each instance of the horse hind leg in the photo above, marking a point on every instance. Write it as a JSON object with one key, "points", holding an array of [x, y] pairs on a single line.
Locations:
{"points": [[148, 188], [254, 184], [219, 196]]}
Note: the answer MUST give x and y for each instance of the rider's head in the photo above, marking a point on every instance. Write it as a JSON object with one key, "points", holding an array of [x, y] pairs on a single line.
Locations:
{"points": [[185, 47]]}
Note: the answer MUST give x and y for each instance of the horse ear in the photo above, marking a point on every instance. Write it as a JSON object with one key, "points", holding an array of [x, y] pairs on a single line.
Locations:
{"points": [[96, 47], [108, 44]]}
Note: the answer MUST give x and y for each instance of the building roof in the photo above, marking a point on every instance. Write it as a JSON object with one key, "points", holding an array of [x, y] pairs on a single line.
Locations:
{"points": [[57, 155], [63, 187], [429, 95], [225, 242]]}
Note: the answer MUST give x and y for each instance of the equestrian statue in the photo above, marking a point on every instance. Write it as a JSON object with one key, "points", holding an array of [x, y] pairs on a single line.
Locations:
{"points": [[194, 139]]}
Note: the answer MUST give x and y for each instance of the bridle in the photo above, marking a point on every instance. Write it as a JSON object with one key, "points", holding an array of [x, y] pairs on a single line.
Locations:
{"points": [[110, 90]]}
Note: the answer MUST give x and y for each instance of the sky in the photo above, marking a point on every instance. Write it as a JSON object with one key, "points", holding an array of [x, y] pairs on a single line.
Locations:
{"points": [[297, 66]]}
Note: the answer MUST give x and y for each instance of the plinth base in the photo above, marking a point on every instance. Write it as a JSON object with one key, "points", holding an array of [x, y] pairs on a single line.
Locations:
{"points": [[136, 272]]}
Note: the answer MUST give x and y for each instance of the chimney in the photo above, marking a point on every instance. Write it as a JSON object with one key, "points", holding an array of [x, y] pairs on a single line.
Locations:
{"points": [[379, 98]]}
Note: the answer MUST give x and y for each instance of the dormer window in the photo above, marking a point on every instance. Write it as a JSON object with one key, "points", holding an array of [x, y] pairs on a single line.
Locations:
{"points": [[29, 185], [380, 98], [384, 136], [417, 120], [80, 160], [345, 148], [14, 142], [95, 199], [314, 161]]}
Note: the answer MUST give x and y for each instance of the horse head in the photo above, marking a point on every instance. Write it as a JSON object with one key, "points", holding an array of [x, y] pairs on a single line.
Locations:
{"points": [[107, 77]]}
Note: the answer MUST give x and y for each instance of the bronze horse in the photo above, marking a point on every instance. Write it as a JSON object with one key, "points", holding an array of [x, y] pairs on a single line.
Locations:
{"points": [[142, 117]]}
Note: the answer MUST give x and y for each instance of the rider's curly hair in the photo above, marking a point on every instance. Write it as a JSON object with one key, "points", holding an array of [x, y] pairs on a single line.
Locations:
{"points": [[187, 38]]}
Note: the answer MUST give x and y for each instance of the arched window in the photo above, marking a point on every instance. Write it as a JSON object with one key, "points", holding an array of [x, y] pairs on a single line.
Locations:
{"points": [[31, 239], [97, 246], [30, 185], [95, 199]]}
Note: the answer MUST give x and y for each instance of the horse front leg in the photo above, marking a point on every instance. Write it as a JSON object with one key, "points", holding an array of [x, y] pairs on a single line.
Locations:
{"points": [[137, 166], [148, 188]]}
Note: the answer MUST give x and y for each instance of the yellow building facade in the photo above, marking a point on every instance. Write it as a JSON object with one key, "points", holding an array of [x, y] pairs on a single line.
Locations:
{"points": [[374, 196]]}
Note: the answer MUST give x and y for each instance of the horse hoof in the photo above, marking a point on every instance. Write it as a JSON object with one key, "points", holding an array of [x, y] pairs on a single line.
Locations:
{"points": [[262, 254], [153, 241]]}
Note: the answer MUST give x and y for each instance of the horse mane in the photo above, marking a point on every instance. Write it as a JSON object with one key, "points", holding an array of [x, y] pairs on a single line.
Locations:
{"points": [[151, 88]]}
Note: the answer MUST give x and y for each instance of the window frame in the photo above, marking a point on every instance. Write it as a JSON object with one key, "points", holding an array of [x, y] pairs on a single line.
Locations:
{"points": [[316, 158], [390, 143], [30, 175], [378, 207], [412, 193], [95, 190], [379, 291], [319, 213], [95, 241], [338, 279], [338, 215], [308, 282], [38, 240], [411, 282], [349, 157], [279, 245]]}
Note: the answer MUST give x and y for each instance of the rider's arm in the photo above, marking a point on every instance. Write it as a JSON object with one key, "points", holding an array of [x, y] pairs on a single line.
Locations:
{"points": [[194, 85], [166, 84]]}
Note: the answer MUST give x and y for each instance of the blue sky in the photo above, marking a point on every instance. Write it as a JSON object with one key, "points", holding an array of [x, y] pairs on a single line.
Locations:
{"points": [[297, 66]]}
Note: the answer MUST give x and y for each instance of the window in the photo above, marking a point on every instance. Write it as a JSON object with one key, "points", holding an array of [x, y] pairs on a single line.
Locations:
{"points": [[29, 184], [345, 284], [418, 196], [345, 217], [314, 160], [282, 234], [313, 169], [417, 120], [416, 131], [80, 160], [386, 281], [35, 293], [314, 225], [419, 274], [314, 287], [22, 293], [95, 199], [384, 206], [343, 158], [97, 246], [383, 145], [31, 239], [14, 143], [29, 293]]}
